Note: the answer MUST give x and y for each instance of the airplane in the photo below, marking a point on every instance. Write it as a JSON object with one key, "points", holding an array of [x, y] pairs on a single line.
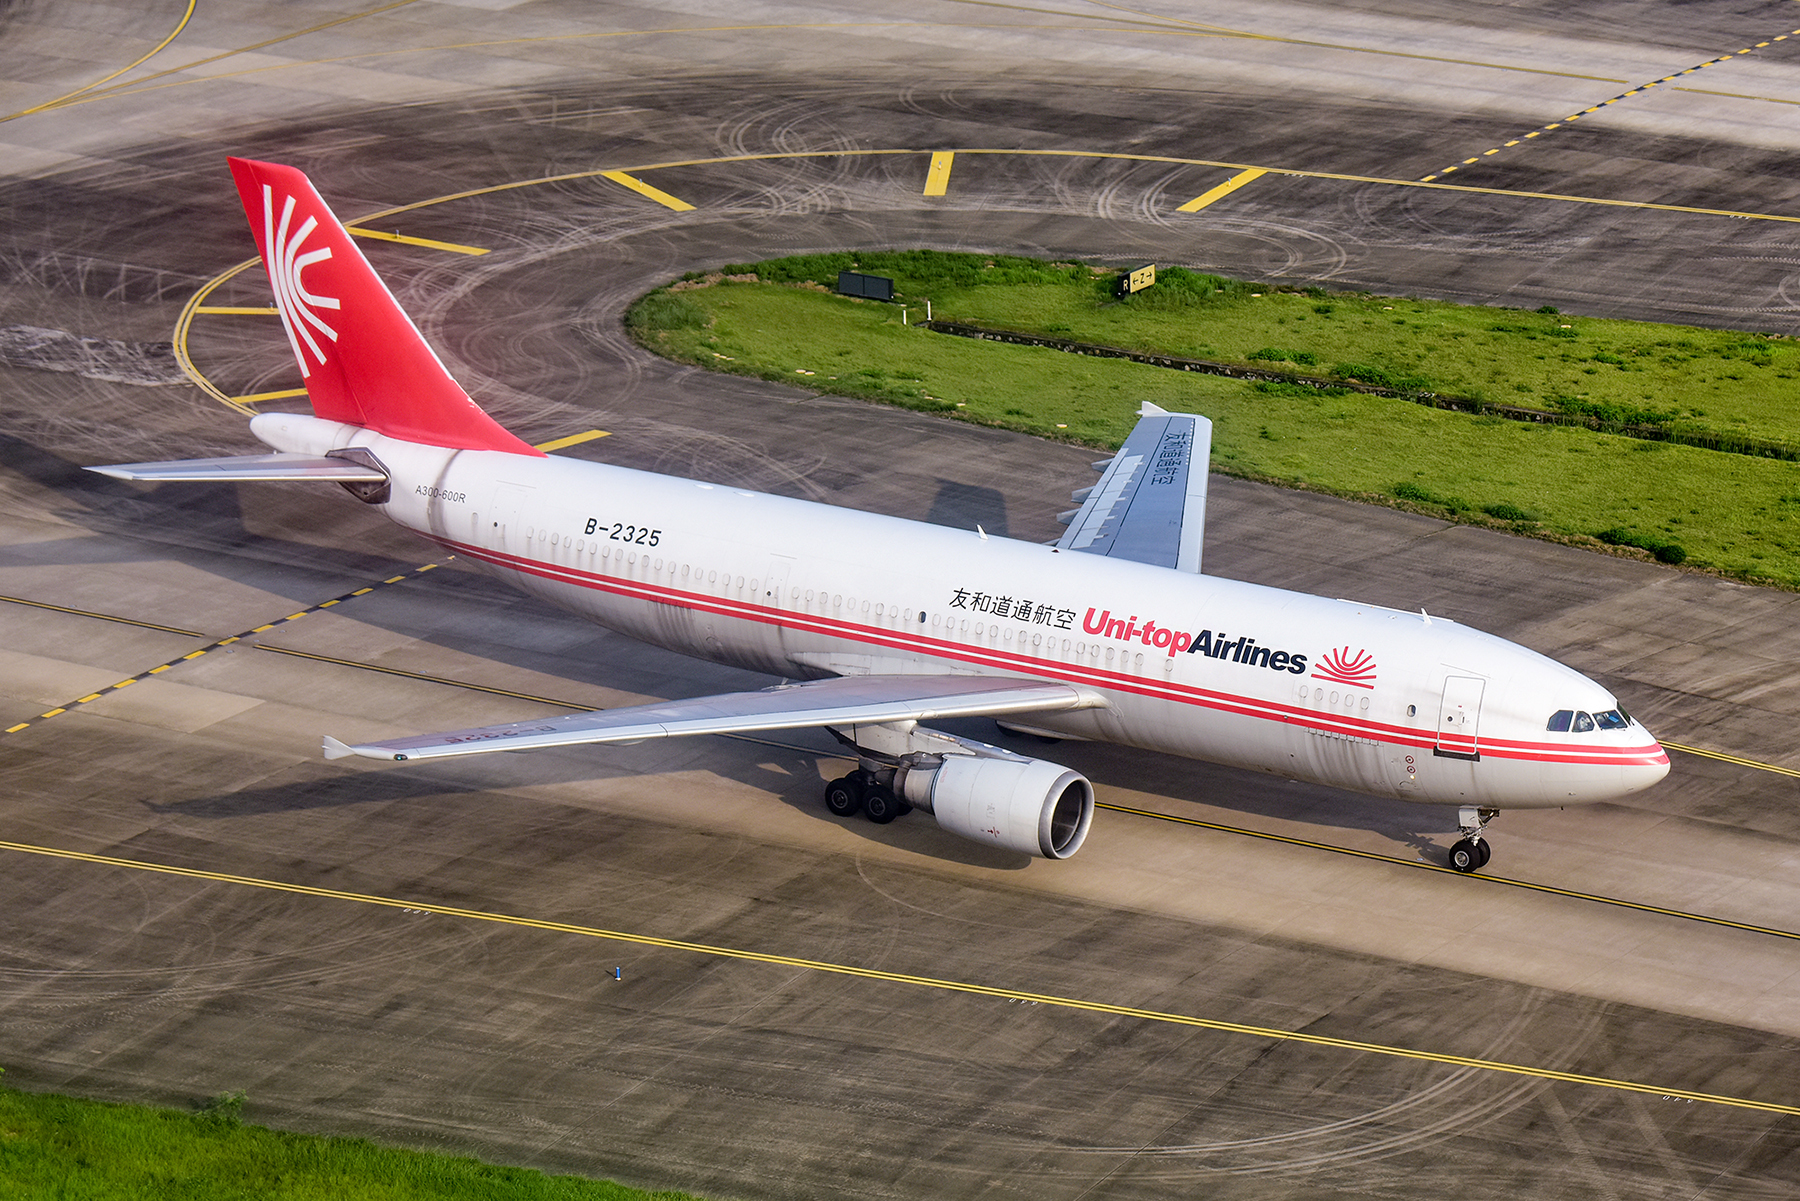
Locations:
{"points": [[878, 624]]}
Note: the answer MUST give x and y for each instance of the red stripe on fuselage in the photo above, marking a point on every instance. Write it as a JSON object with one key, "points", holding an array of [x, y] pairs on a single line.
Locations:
{"points": [[1244, 706]]}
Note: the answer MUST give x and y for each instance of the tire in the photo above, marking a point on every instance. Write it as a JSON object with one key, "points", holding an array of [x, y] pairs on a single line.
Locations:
{"points": [[1487, 853], [1466, 856], [880, 805], [843, 797]]}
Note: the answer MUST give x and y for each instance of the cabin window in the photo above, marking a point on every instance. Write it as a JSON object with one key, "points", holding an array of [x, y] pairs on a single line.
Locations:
{"points": [[1412, 710], [1364, 703], [1612, 719], [879, 610]]}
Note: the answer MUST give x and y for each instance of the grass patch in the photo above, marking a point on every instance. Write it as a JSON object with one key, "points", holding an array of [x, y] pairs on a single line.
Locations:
{"points": [[1729, 513], [54, 1146]]}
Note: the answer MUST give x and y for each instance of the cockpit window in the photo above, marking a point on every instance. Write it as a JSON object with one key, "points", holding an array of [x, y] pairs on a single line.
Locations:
{"points": [[1559, 721], [1583, 723], [1612, 719]]}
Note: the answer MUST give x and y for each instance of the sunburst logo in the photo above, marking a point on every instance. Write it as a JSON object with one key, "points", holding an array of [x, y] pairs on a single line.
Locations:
{"points": [[286, 262], [1341, 667]]}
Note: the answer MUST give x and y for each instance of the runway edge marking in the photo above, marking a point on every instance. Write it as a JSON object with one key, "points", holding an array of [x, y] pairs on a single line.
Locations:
{"points": [[958, 986]]}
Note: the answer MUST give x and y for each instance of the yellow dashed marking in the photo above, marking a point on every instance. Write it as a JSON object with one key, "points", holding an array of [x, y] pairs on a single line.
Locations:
{"points": [[643, 189], [937, 178], [1741, 762], [936, 984], [1223, 190], [1638, 90], [572, 440], [380, 235], [191, 655]]}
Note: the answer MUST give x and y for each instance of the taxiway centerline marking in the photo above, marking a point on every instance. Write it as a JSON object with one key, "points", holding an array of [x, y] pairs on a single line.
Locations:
{"points": [[238, 310], [1729, 758], [128, 621], [429, 679], [66, 97], [937, 176], [259, 397], [381, 235], [221, 644], [1223, 190], [572, 440], [643, 189], [1432, 867], [1639, 90], [934, 983]]}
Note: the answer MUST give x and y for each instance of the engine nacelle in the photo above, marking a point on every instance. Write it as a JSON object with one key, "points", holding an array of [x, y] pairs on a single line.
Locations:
{"points": [[1004, 800]]}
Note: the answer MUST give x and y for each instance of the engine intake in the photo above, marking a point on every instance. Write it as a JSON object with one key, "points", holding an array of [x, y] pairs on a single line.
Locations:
{"points": [[1004, 800]]}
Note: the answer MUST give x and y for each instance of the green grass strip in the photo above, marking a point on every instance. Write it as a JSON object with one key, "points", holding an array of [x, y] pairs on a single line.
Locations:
{"points": [[1735, 514], [61, 1147]]}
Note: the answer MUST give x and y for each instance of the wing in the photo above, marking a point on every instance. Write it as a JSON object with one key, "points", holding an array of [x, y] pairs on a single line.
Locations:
{"points": [[281, 466], [850, 700], [1150, 506]]}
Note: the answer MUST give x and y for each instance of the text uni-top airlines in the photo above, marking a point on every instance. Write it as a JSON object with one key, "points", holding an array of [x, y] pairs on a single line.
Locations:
{"points": [[881, 625]]}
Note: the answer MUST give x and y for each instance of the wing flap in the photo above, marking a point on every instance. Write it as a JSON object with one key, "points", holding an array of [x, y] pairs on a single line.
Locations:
{"points": [[851, 700], [279, 466], [1150, 503]]}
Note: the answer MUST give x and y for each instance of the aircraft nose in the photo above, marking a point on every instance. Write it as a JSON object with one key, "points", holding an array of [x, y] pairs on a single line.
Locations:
{"points": [[1648, 770]]}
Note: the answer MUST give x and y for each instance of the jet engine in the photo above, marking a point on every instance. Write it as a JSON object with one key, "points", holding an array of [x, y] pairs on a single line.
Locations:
{"points": [[1004, 800]]}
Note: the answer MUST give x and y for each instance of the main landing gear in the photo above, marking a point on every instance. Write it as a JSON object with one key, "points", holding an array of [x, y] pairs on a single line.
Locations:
{"points": [[1473, 852], [865, 791]]}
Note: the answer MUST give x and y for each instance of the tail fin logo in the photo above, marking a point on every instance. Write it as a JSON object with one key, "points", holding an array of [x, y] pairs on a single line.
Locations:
{"points": [[286, 262]]}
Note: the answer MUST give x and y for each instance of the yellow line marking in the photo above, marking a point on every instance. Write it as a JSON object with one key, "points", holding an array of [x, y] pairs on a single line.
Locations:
{"points": [[572, 440], [643, 189], [1223, 190], [429, 679], [1432, 867], [928, 982], [24, 725], [362, 591], [937, 176], [124, 684], [92, 696], [129, 621], [328, 604], [391, 580], [162, 668], [239, 310], [259, 397], [1738, 96], [1741, 762], [184, 322], [294, 616], [431, 243], [180, 25], [53, 712], [192, 655], [261, 629]]}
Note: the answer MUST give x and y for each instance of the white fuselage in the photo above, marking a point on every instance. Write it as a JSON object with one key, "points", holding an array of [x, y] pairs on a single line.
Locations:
{"points": [[1329, 691]]}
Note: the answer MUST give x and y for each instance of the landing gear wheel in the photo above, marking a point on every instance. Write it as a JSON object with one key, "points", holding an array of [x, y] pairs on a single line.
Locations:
{"points": [[1468, 856], [880, 804], [844, 796], [1487, 853]]}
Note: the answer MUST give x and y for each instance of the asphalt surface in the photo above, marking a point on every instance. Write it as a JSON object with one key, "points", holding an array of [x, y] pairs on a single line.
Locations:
{"points": [[814, 1032]]}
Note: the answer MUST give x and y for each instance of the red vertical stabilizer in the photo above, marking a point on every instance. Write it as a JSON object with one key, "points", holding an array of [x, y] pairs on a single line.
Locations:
{"points": [[363, 359]]}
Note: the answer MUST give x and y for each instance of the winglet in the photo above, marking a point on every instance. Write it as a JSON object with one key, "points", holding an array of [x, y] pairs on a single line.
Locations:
{"points": [[335, 749], [363, 360]]}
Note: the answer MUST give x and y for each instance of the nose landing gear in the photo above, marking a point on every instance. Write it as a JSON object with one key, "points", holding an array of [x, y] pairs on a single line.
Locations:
{"points": [[1472, 852]]}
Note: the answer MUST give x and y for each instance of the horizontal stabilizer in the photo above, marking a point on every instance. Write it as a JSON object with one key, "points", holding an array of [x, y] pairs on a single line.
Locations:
{"points": [[850, 700], [281, 466]]}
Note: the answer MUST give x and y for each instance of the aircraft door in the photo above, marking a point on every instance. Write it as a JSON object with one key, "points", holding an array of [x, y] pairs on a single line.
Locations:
{"points": [[1459, 718]]}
